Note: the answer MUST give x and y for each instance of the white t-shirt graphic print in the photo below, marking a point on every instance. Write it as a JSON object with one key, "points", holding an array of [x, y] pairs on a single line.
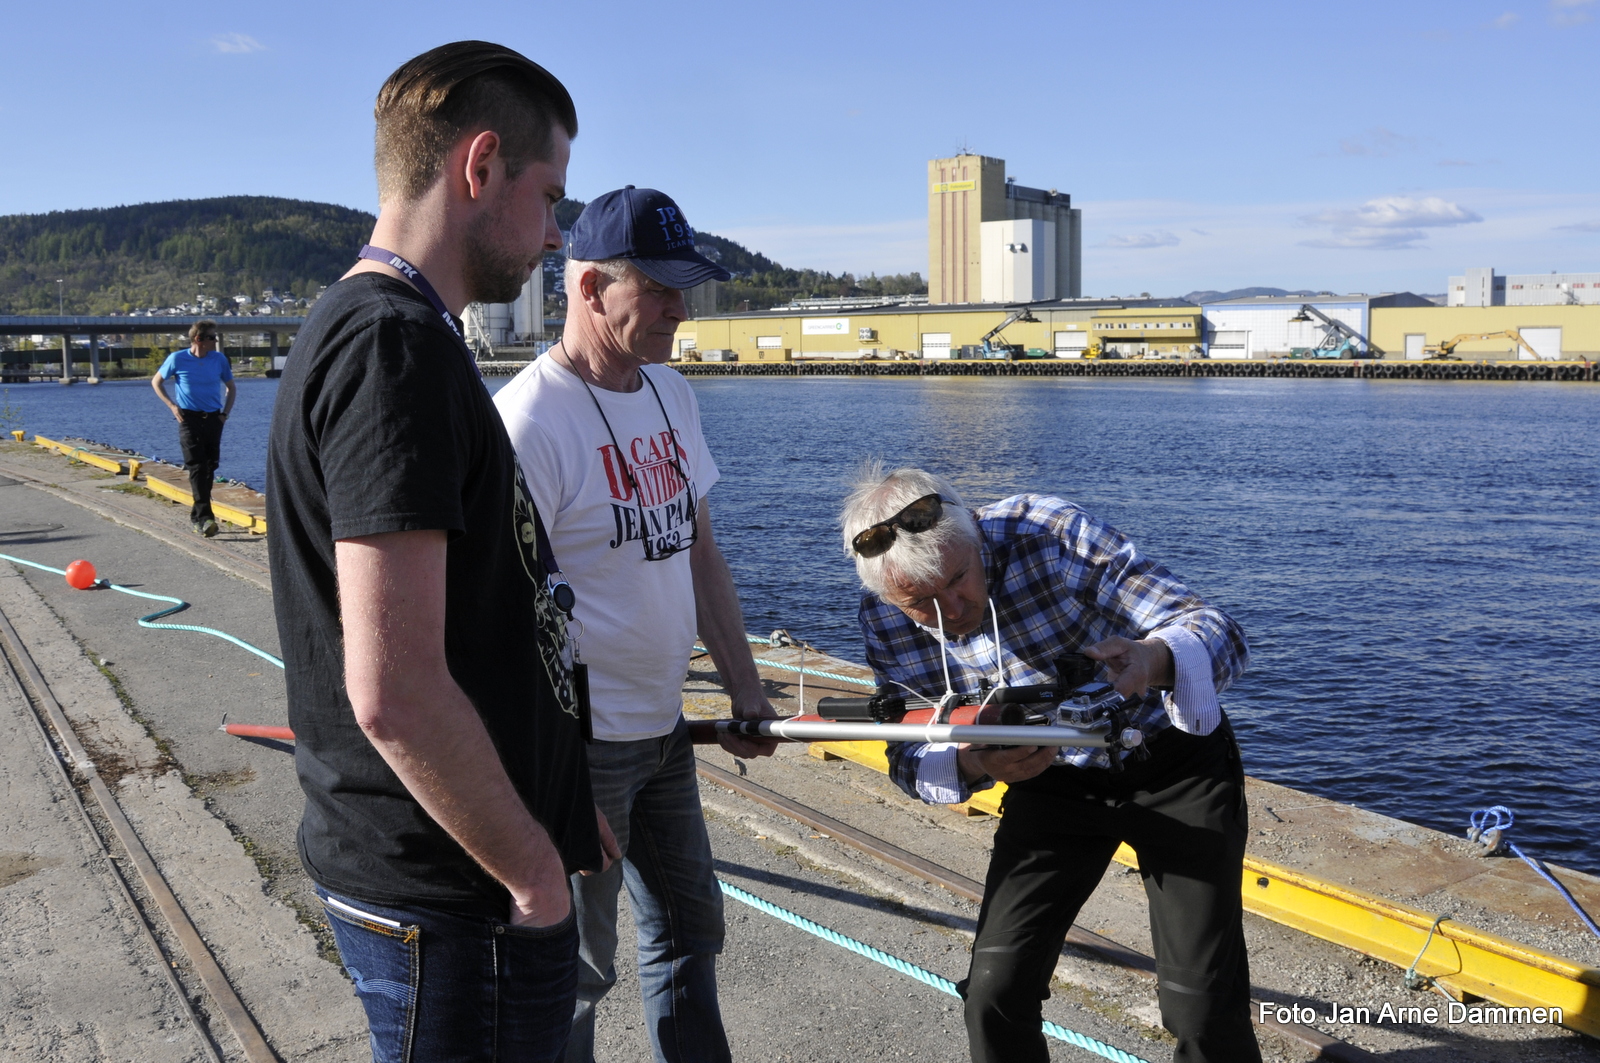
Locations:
{"points": [[638, 616]]}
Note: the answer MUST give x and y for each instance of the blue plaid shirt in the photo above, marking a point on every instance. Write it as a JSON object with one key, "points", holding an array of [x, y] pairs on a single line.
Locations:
{"points": [[1059, 580]]}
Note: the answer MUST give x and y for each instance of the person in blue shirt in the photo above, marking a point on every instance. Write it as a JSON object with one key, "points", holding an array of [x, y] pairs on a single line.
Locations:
{"points": [[202, 398]]}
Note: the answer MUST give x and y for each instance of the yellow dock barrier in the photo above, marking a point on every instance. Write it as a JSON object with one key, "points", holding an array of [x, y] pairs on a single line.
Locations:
{"points": [[223, 511], [248, 521], [78, 454], [1466, 962]]}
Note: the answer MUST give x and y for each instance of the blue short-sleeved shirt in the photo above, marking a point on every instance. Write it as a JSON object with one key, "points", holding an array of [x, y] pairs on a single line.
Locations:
{"points": [[200, 380]]}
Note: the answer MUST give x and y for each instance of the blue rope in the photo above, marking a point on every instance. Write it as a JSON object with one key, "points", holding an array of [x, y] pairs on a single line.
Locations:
{"points": [[1499, 818], [149, 619], [928, 978], [757, 640]]}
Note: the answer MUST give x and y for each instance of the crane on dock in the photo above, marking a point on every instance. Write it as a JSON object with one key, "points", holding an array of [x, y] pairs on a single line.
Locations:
{"points": [[1338, 339], [1009, 351], [1445, 351]]}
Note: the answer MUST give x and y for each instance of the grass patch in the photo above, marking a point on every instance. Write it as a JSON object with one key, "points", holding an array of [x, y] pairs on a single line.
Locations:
{"points": [[129, 487]]}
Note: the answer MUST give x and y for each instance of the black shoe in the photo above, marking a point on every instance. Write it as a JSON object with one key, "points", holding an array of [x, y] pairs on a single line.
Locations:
{"points": [[207, 527]]}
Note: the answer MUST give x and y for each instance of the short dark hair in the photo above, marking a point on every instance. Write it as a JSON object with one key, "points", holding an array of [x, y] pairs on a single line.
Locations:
{"points": [[205, 328], [427, 104]]}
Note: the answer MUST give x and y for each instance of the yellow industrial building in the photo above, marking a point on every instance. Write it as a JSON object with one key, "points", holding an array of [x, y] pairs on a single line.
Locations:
{"points": [[1067, 328], [1557, 332]]}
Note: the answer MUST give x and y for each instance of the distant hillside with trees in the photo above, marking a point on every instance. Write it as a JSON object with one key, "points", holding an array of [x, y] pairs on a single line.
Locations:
{"points": [[118, 259]]}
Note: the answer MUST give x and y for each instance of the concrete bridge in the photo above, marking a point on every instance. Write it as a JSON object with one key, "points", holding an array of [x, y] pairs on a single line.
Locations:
{"points": [[114, 325]]}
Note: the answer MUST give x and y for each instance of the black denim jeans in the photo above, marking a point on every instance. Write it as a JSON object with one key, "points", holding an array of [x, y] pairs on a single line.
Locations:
{"points": [[200, 436], [1183, 811]]}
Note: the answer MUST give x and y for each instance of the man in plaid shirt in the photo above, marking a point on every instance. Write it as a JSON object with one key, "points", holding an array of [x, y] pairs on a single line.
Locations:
{"points": [[959, 600]]}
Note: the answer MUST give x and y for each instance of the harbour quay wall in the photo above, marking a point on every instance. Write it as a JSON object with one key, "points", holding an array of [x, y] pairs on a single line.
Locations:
{"points": [[1330, 370]]}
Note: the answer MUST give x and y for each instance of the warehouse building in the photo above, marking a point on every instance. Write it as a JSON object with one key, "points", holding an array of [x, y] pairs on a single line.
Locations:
{"points": [[1065, 328], [1273, 326], [1481, 287], [1490, 333], [991, 240]]}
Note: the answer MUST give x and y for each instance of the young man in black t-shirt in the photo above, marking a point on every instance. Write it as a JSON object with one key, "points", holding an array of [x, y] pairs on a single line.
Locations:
{"points": [[437, 733]]}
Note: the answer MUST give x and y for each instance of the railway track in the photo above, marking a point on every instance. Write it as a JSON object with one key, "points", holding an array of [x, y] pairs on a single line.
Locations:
{"points": [[119, 844]]}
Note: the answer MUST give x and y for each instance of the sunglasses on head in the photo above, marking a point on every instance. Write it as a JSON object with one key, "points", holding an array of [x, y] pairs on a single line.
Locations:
{"points": [[916, 518]]}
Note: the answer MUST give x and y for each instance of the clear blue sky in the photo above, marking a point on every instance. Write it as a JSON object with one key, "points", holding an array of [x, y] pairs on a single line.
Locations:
{"points": [[1351, 146]]}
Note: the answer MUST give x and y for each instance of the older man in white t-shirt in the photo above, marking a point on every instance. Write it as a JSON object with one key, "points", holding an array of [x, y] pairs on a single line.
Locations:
{"points": [[610, 443]]}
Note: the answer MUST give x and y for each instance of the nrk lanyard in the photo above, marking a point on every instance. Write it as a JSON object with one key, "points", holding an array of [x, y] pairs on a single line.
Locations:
{"points": [[414, 275]]}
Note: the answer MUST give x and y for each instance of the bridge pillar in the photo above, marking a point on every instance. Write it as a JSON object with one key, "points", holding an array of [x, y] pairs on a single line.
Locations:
{"points": [[66, 358], [274, 336], [94, 358]]}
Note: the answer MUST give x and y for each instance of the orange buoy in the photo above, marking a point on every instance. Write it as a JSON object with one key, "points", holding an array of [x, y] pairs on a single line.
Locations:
{"points": [[80, 574]]}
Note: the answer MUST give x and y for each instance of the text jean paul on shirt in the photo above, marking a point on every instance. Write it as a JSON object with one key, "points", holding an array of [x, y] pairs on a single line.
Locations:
{"points": [[661, 505]]}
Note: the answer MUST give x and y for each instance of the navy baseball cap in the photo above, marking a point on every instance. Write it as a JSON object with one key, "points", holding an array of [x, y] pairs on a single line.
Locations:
{"points": [[646, 228]]}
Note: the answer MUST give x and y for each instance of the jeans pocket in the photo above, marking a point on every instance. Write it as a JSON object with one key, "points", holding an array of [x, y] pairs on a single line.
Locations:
{"points": [[536, 987], [539, 932], [381, 957]]}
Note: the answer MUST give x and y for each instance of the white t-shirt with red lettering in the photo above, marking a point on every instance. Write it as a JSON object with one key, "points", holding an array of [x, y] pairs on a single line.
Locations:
{"points": [[638, 615]]}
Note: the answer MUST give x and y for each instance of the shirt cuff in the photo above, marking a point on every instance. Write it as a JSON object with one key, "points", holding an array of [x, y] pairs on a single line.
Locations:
{"points": [[939, 779], [1192, 705]]}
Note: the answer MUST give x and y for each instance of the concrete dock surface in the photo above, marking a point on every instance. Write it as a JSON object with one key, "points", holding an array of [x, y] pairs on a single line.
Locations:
{"points": [[78, 980]]}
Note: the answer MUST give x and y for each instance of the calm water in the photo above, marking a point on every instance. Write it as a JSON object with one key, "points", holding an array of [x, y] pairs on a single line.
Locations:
{"points": [[1417, 564]]}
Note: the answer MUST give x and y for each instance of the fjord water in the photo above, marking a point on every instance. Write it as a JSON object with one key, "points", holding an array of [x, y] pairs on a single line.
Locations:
{"points": [[1417, 564]]}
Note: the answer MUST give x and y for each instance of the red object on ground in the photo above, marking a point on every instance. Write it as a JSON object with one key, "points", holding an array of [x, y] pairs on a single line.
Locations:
{"points": [[256, 730], [80, 574]]}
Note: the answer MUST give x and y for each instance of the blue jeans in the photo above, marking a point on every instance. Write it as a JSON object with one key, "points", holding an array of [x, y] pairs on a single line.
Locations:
{"points": [[441, 987], [648, 793]]}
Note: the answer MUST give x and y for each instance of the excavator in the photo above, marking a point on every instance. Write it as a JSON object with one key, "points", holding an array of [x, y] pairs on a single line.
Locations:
{"points": [[1445, 351], [1338, 339]]}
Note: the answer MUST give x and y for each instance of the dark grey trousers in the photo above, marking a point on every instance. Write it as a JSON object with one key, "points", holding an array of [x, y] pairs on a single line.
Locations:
{"points": [[1183, 812]]}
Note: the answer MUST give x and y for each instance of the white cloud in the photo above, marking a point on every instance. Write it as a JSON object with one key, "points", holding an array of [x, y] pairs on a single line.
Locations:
{"points": [[1397, 212], [1378, 142], [1388, 223], [236, 44], [1143, 240], [1570, 12], [1582, 227], [1505, 21]]}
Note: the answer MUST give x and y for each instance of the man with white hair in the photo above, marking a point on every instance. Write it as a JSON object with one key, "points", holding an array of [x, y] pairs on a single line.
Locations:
{"points": [[966, 601], [610, 439]]}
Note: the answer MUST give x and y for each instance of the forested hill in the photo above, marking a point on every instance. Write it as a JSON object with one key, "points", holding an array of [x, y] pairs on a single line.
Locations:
{"points": [[117, 259], [155, 254]]}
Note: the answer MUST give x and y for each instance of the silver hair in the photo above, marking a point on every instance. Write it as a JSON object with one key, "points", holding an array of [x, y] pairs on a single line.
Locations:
{"points": [[618, 269], [876, 495]]}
